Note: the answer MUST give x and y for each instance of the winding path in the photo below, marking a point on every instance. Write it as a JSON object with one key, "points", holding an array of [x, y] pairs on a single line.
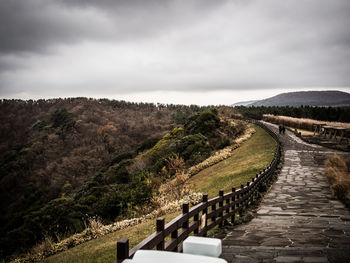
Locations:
{"points": [[299, 220]]}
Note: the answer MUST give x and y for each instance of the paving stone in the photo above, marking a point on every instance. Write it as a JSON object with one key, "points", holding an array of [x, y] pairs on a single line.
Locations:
{"points": [[315, 259], [288, 259]]}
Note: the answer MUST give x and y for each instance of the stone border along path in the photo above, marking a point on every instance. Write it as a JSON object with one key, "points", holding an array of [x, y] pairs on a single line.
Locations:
{"points": [[299, 220]]}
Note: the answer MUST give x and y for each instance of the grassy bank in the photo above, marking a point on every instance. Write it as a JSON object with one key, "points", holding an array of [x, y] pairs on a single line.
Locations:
{"points": [[104, 249], [246, 161]]}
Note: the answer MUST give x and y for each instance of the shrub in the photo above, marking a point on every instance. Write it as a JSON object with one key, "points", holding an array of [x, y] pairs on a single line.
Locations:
{"points": [[175, 164], [177, 187], [61, 216], [338, 176], [120, 157], [161, 164], [110, 204], [119, 173], [205, 122], [224, 143], [39, 125], [192, 146], [63, 119], [147, 144], [161, 148]]}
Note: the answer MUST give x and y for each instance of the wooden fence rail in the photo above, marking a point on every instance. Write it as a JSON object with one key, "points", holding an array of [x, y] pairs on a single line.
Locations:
{"points": [[204, 216]]}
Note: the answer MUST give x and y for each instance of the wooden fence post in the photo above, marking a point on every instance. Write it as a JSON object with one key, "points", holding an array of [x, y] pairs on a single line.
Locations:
{"points": [[254, 188], [221, 204], [248, 194], [174, 235], [196, 219], [228, 207], [204, 213], [122, 249], [242, 203], [160, 228], [213, 209], [234, 206], [185, 209]]}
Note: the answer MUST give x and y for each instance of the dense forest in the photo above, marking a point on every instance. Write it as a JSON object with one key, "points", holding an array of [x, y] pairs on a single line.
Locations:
{"points": [[338, 114], [65, 160]]}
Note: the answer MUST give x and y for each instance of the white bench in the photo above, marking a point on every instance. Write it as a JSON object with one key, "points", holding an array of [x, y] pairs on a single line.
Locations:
{"points": [[195, 250], [202, 246], [156, 256]]}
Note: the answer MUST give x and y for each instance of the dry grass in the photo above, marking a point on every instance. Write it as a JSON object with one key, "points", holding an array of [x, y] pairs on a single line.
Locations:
{"points": [[175, 188], [223, 154], [103, 249], [46, 245], [338, 176], [301, 123]]}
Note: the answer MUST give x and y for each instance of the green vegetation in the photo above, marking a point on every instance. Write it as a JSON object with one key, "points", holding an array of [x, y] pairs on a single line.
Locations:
{"points": [[338, 114], [254, 155], [205, 123], [147, 144]]}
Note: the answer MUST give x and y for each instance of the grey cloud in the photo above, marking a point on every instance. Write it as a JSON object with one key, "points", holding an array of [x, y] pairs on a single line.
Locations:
{"points": [[135, 6], [37, 25], [34, 25]]}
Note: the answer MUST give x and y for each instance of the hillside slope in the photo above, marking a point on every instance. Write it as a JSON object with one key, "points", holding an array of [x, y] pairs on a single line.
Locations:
{"points": [[65, 161], [50, 148]]}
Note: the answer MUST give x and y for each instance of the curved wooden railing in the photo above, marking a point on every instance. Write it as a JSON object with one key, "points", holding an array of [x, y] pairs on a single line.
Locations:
{"points": [[204, 216]]}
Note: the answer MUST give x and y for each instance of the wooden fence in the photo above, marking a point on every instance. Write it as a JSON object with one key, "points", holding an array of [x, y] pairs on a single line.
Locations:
{"points": [[204, 216]]}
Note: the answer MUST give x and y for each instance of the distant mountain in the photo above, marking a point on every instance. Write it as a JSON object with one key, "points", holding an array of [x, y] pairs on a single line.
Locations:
{"points": [[313, 98], [244, 103]]}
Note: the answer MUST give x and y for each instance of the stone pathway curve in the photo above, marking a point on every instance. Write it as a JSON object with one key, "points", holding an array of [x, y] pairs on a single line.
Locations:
{"points": [[299, 220]]}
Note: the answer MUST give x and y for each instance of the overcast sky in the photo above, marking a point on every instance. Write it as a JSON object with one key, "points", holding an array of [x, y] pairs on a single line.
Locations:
{"points": [[189, 51]]}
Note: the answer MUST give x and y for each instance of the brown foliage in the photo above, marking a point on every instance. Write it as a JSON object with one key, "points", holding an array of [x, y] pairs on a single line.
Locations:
{"points": [[176, 188], [338, 176], [42, 156], [175, 165]]}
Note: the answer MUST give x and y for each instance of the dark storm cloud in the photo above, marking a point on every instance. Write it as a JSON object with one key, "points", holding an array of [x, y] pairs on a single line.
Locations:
{"points": [[30, 26], [36, 25]]}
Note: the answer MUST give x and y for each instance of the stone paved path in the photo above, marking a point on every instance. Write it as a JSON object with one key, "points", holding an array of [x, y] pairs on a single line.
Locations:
{"points": [[299, 220]]}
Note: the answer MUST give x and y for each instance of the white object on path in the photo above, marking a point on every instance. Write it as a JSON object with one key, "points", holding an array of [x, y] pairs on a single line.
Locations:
{"points": [[156, 256], [202, 246]]}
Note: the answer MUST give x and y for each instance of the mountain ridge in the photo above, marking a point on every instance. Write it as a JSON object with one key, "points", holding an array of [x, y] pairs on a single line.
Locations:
{"points": [[298, 98]]}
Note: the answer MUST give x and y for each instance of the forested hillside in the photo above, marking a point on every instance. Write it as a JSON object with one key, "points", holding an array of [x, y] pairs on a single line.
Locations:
{"points": [[65, 160], [50, 148]]}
